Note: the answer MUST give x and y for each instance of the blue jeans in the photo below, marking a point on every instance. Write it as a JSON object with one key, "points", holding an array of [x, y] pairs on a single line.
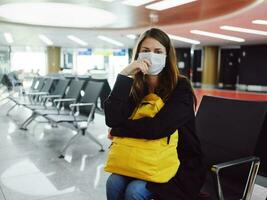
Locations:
{"points": [[120, 187]]}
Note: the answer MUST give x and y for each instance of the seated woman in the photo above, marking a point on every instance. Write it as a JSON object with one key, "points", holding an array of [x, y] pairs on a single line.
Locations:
{"points": [[154, 70]]}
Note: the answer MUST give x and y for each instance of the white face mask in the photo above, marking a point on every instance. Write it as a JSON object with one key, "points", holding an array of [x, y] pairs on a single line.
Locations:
{"points": [[157, 61]]}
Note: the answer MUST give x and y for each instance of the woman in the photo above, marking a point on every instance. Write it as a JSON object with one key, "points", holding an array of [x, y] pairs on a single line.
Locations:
{"points": [[154, 70]]}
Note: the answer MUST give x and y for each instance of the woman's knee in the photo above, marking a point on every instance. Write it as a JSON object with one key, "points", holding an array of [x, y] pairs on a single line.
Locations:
{"points": [[115, 186], [136, 190], [116, 181]]}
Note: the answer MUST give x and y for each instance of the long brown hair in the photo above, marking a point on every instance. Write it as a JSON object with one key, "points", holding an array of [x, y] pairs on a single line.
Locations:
{"points": [[168, 77]]}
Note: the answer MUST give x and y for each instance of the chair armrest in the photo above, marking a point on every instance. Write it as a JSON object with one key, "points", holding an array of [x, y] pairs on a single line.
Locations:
{"points": [[255, 163], [78, 105], [59, 101], [218, 167], [64, 100], [37, 93], [51, 96]]}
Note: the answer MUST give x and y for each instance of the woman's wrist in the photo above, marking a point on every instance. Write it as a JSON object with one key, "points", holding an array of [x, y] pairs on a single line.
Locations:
{"points": [[125, 71]]}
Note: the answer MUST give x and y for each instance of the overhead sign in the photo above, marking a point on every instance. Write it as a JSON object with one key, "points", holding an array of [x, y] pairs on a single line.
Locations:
{"points": [[119, 52], [86, 52]]}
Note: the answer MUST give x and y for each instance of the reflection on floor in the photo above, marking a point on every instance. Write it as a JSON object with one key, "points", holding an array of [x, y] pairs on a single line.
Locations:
{"points": [[253, 96], [231, 94], [30, 168]]}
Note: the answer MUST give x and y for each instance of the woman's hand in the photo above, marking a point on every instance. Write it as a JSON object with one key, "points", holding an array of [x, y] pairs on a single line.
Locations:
{"points": [[135, 67]]}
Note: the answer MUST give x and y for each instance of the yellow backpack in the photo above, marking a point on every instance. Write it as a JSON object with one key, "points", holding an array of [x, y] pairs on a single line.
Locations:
{"points": [[151, 160]]}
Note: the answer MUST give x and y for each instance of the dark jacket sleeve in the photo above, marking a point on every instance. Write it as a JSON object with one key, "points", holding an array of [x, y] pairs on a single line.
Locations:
{"points": [[178, 109], [118, 106]]}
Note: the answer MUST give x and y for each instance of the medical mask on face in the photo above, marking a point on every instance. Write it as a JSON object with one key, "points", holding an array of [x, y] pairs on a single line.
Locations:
{"points": [[157, 61]]}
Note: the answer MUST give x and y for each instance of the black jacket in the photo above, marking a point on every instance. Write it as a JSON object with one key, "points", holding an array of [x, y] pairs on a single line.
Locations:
{"points": [[177, 113]]}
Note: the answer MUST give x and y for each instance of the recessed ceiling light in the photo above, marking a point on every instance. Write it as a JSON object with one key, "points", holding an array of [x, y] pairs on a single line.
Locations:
{"points": [[243, 30], [45, 39], [166, 4], [136, 2], [8, 38], [77, 40], [131, 36], [107, 39], [183, 39], [260, 21], [56, 14], [217, 35]]}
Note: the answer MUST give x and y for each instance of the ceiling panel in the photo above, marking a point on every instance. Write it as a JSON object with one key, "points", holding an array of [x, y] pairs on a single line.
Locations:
{"points": [[206, 15]]}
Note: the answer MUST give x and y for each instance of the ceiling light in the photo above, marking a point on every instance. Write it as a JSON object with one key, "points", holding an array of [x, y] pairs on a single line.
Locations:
{"points": [[183, 39], [56, 14], [8, 38], [217, 35], [243, 30], [136, 2], [131, 36], [104, 38], [166, 4], [263, 22], [77, 40], [45, 39]]}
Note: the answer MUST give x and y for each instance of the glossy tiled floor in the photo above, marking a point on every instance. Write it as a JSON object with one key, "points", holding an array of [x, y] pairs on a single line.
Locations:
{"points": [[30, 168]]}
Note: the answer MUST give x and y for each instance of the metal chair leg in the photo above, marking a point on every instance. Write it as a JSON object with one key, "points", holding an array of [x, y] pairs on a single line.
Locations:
{"points": [[9, 110], [251, 180], [62, 155], [95, 140], [28, 121]]}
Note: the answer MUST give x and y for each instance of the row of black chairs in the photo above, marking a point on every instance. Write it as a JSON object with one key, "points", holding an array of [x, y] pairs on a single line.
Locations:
{"points": [[233, 134], [62, 100]]}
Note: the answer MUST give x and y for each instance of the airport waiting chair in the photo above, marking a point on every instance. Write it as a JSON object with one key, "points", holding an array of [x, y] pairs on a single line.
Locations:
{"points": [[57, 93], [61, 105], [34, 82], [228, 131], [36, 86], [33, 96], [82, 114], [104, 93], [13, 95], [14, 78], [7, 82]]}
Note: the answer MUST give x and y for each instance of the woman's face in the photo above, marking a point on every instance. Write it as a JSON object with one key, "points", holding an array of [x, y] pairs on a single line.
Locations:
{"points": [[152, 45]]}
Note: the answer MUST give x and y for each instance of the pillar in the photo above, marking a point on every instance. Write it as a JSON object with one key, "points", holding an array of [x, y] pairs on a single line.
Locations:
{"points": [[53, 59], [210, 67]]}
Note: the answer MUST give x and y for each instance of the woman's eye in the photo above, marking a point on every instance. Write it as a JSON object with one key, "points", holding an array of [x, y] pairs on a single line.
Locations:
{"points": [[158, 52], [145, 50]]}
